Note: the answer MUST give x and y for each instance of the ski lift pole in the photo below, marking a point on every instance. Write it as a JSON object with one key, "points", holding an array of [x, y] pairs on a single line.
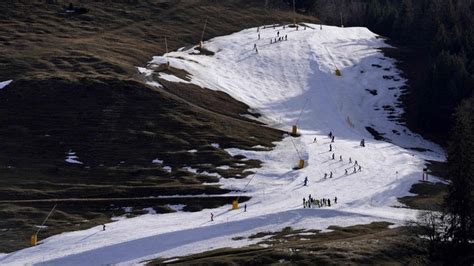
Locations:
{"points": [[337, 71], [301, 160], [294, 13], [202, 34], [294, 130], [166, 47], [302, 109], [46, 219], [34, 238]]}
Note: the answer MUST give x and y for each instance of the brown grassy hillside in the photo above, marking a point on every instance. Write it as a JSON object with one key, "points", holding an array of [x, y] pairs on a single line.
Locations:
{"points": [[76, 88]]}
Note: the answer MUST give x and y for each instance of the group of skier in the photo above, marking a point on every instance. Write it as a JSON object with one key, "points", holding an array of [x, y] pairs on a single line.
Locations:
{"points": [[311, 202], [356, 167], [278, 38]]}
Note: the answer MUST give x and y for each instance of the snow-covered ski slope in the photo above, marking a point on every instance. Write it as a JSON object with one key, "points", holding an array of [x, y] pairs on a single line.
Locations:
{"points": [[278, 82]]}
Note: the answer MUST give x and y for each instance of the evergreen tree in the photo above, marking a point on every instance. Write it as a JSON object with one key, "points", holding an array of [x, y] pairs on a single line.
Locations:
{"points": [[440, 41], [459, 201], [404, 24]]}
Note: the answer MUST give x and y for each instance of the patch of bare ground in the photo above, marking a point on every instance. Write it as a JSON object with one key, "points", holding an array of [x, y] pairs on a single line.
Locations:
{"points": [[374, 243]]}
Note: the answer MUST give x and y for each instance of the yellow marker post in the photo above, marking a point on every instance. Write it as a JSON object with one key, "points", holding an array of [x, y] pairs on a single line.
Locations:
{"points": [[338, 72], [294, 130], [301, 164], [34, 240], [235, 205]]}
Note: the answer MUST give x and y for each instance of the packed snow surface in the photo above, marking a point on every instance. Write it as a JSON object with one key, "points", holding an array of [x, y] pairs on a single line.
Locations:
{"points": [[72, 158], [290, 82]]}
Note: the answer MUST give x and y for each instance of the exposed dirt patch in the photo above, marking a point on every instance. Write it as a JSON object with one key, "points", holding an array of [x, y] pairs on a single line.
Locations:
{"points": [[362, 244], [377, 135]]}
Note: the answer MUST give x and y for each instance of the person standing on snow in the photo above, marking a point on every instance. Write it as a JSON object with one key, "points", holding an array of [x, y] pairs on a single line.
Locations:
{"points": [[212, 217], [286, 37], [325, 176], [330, 175], [330, 134], [315, 141], [330, 147], [329, 202], [350, 159], [360, 168], [304, 203], [335, 200], [103, 227], [259, 36], [278, 33], [362, 143], [340, 158], [354, 170], [333, 156], [332, 139], [346, 172], [245, 207], [305, 181]]}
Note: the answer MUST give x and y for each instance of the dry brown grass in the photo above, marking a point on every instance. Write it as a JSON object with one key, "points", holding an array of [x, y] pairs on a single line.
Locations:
{"points": [[38, 40], [371, 244], [76, 87]]}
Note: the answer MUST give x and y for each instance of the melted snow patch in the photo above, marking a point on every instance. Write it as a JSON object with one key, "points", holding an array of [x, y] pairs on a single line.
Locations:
{"points": [[145, 71], [150, 210], [157, 161], [168, 169], [190, 169], [154, 84], [72, 158], [172, 78], [176, 207]]}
